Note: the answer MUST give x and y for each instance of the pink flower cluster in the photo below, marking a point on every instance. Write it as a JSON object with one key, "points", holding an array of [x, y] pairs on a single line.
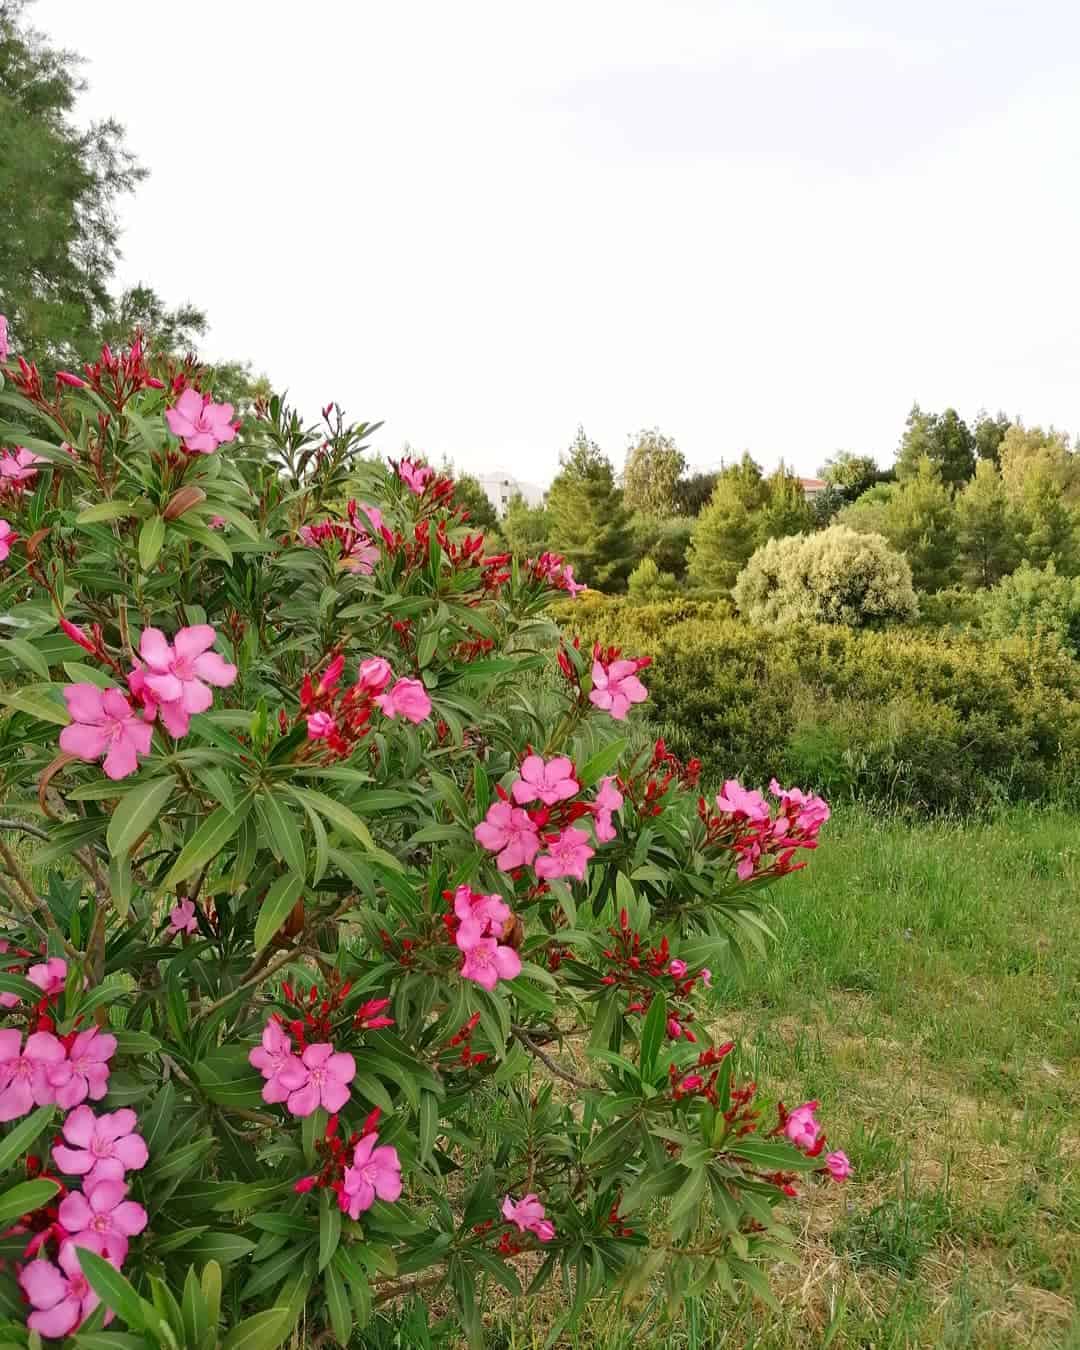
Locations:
{"points": [[375, 1173], [555, 571], [482, 922], [356, 549], [319, 1076], [8, 536], [527, 1214], [50, 977], [182, 919], [802, 1128], [18, 468], [340, 719], [517, 835], [201, 424], [50, 1069], [171, 681], [415, 476], [763, 844], [99, 1217]]}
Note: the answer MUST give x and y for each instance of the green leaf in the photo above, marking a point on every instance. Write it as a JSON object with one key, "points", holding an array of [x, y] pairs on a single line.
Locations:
{"points": [[19, 986], [18, 1141], [275, 909], [602, 762], [111, 1287], [27, 1196], [337, 1303], [151, 538], [39, 700], [111, 510], [652, 1035], [329, 1229], [194, 1310], [339, 816], [223, 1248], [211, 1287], [281, 832], [265, 1331], [774, 1157], [207, 841], [135, 814], [27, 655], [687, 1198]]}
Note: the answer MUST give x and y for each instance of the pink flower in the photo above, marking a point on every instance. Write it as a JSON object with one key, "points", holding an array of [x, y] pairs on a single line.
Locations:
{"points": [[480, 916], [508, 831], [320, 725], [706, 977], [3, 339], [486, 962], [61, 1298], [616, 687], [677, 968], [409, 698], [375, 1171], [200, 424], [375, 674], [178, 674], [76, 634], [328, 1077], [20, 465], [361, 556], [607, 800], [567, 856], [373, 514], [415, 476], [568, 583], [552, 781], [24, 1073], [85, 1072], [182, 918], [737, 800], [218, 522], [72, 381], [674, 1028], [838, 1166], [809, 812], [284, 1072], [103, 1214], [802, 1127], [104, 724], [105, 1146], [7, 538], [528, 1215], [49, 976]]}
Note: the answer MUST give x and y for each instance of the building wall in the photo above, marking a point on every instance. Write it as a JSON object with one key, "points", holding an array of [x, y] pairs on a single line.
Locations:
{"points": [[501, 487]]}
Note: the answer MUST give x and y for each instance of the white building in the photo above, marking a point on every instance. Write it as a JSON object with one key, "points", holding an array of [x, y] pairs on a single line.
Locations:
{"points": [[501, 487]]}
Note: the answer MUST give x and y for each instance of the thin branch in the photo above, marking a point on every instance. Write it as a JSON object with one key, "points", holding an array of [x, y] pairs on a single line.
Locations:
{"points": [[32, 905], [26, 828], [552, 1065]]}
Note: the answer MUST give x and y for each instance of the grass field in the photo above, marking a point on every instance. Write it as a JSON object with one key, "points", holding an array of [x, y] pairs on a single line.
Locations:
{"points": [[927, 990]]}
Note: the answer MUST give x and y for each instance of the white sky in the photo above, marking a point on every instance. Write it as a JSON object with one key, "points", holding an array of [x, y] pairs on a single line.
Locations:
{"points": [[760, 225]]}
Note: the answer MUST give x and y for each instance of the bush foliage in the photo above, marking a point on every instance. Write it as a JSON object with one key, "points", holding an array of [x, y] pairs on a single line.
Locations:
{"points": [[835, 576], [931, 720]]}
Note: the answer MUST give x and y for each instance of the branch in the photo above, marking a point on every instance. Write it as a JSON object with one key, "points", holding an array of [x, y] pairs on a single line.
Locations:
{"points": [[552, 1065], [32, 905], [26, 828]]}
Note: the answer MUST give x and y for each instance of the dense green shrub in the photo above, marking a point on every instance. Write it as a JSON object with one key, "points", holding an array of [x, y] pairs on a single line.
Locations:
{"points": [[835, 576], [1034, 601], [647, 584], [922, 719]]}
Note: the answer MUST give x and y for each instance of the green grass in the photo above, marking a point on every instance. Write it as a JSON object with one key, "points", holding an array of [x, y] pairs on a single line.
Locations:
{"points": [[926, 987]]}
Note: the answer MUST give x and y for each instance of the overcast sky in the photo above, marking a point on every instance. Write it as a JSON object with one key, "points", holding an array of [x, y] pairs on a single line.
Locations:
{"points": [[757, 225]]}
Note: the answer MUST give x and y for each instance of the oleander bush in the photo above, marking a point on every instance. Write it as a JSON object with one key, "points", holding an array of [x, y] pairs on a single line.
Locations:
{"points": [[917, 718], [315, 840]]}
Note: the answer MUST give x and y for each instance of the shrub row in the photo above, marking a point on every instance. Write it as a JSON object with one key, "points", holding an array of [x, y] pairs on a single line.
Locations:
{"points": [[930, 720]]}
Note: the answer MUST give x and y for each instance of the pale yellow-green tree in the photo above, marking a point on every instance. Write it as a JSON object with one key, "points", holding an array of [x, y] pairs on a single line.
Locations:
{"points": [[987, 527], [654, 465]]}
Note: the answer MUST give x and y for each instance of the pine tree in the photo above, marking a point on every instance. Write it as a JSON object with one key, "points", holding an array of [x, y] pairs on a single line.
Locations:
{"points": [[786, 510], [920, 520], [945, 439], [1049, 529], [986, 526], [589, 524]]}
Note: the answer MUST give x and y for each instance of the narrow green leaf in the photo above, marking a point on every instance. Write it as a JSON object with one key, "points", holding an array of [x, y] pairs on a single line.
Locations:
{"points": [[27, 1196], [279, 901], [39, 700], [602, 762], [265, 1331], [652, 1035], [18, 1141], [27, 655], [338, 815], [151, 538], [281, 832], [111, 510], [135, 814], [207, 841], [329, 1229], [112, 1288]]}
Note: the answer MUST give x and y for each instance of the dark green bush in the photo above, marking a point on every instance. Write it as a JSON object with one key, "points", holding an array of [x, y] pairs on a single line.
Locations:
{"points": [[930, 720]]}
